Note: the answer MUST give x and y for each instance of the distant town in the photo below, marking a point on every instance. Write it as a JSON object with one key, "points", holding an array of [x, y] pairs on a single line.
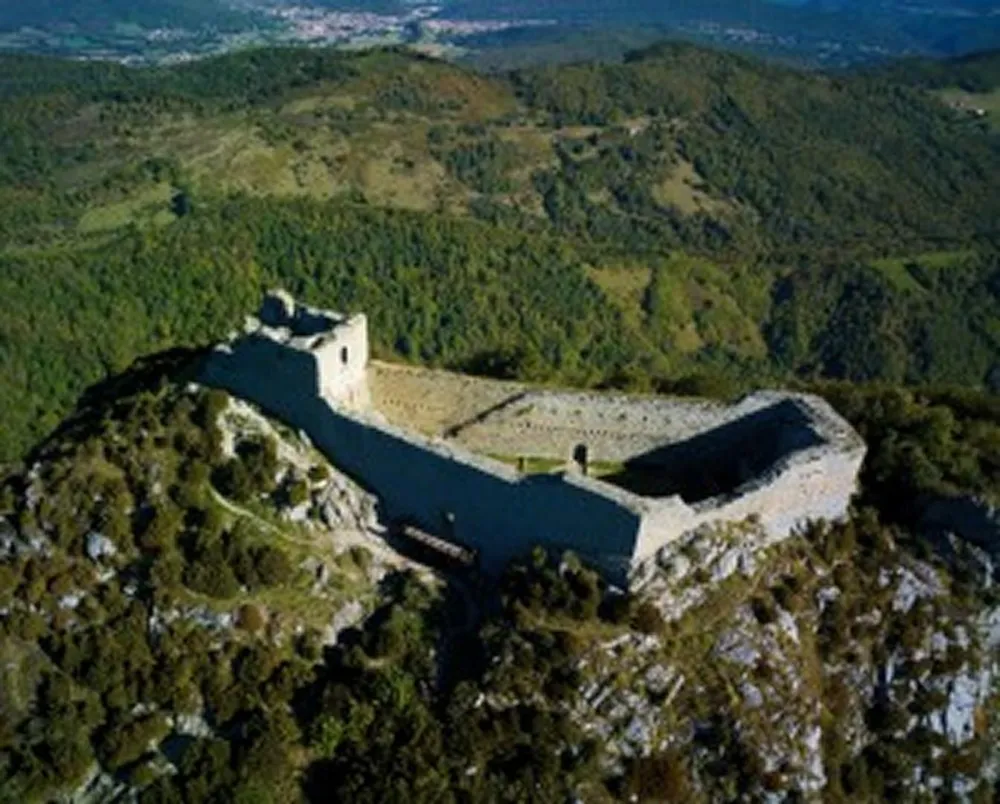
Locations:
{"points": [[420, 25], [151, 34], [312, 24]]}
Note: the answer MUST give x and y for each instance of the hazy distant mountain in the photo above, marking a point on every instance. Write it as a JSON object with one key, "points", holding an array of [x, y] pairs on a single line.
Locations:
{"points": [[98, 13], [503, 32]]}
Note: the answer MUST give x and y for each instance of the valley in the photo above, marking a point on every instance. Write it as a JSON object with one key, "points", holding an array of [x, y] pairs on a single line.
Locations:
{"points": [[685, 251]]}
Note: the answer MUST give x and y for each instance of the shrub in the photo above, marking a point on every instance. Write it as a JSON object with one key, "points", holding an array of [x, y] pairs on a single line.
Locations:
{"points": [[361, 558], [764, 609], [272, 566], [162, 530], [662, 777], [260, 457], [212, 576], [319, 473], [298, 492], [167, 570], [251, 618], [121, 744], [648, 619], [233, 480]]}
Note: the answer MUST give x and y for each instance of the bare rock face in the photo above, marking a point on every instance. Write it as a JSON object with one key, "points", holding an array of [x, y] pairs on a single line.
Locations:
{"points": [[193, 724], [350, 615], [99, 546], [343, 505], [100, 787], [8, 539]]}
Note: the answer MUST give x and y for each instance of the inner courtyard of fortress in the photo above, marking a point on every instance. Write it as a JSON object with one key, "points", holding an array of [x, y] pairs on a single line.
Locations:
{"points": [[499, 467]]}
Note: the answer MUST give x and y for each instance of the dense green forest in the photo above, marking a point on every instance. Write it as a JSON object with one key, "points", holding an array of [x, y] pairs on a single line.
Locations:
{"points": [[977, 72], [683, 218]]}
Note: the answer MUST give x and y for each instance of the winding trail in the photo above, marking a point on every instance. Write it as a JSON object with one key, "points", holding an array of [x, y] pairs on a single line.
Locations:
{"points": [[246, 513]]}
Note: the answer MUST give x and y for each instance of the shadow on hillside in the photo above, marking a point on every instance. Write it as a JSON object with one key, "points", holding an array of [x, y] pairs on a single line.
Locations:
{"points": [[147, 374]]}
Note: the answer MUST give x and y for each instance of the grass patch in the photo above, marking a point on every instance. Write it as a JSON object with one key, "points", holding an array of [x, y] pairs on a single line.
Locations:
{"points": [[691, 303], [900, 270], [626, 286], [683, 189], [971, 102], [531, 465], [150, 206], [396, 178]]}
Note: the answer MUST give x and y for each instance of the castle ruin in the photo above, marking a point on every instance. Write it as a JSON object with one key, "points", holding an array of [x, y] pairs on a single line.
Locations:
{"points": [[499, 467]]}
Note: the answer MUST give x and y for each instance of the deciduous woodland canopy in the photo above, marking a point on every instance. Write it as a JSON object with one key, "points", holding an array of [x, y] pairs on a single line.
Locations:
{"points": [[684, 213]]}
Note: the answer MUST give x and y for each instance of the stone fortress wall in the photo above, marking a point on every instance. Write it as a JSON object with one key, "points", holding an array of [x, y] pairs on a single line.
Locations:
{"points": [[414, 437], [434, 402]]}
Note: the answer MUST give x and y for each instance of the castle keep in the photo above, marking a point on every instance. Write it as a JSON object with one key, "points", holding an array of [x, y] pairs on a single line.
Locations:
{"points": [[472, 460]]}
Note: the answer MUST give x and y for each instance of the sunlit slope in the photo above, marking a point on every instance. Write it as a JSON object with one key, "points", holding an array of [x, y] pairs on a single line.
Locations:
{"points": [[680, 146], [688, 214]]}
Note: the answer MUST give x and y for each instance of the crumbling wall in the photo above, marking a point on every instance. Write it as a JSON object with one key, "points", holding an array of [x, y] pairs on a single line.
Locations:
{"points": [[801, 459], [666, 521], [257, 366], [477, 502], [718, 461], [613, 427], [816, 484], [338, 346], [342, 362]]}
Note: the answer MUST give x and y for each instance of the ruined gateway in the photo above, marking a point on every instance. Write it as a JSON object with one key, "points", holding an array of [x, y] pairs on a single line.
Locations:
{"points": [[454, 454]]}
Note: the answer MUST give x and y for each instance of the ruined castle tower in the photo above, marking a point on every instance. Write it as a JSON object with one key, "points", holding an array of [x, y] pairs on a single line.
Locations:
{"points": [[338, 344]]}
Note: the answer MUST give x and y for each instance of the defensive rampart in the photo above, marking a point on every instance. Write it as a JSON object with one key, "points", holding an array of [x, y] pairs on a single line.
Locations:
{"points": [[779, 458], [465, 498]]}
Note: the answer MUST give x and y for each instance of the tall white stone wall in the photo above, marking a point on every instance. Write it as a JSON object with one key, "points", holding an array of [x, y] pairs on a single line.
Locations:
{"points": [[315, 379], [666, 521], [817, 484], [342, 359], [475, 501]]}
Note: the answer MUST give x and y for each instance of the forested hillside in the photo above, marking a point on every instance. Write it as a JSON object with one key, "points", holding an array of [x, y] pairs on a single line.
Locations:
{"points": [[189, 614], [679, 220]]}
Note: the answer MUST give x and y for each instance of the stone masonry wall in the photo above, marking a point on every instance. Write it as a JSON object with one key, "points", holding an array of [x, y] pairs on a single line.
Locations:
{"points": [[343, 363], [795, 458], [614, 427], [495, 510], [815, 485]]}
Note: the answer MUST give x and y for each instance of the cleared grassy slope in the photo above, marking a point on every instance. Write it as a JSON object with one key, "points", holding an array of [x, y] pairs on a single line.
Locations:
{"points": [[680, 146]]}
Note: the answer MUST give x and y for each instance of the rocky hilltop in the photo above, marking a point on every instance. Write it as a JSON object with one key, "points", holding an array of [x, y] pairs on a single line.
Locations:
{"points": [[196, 605]]}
